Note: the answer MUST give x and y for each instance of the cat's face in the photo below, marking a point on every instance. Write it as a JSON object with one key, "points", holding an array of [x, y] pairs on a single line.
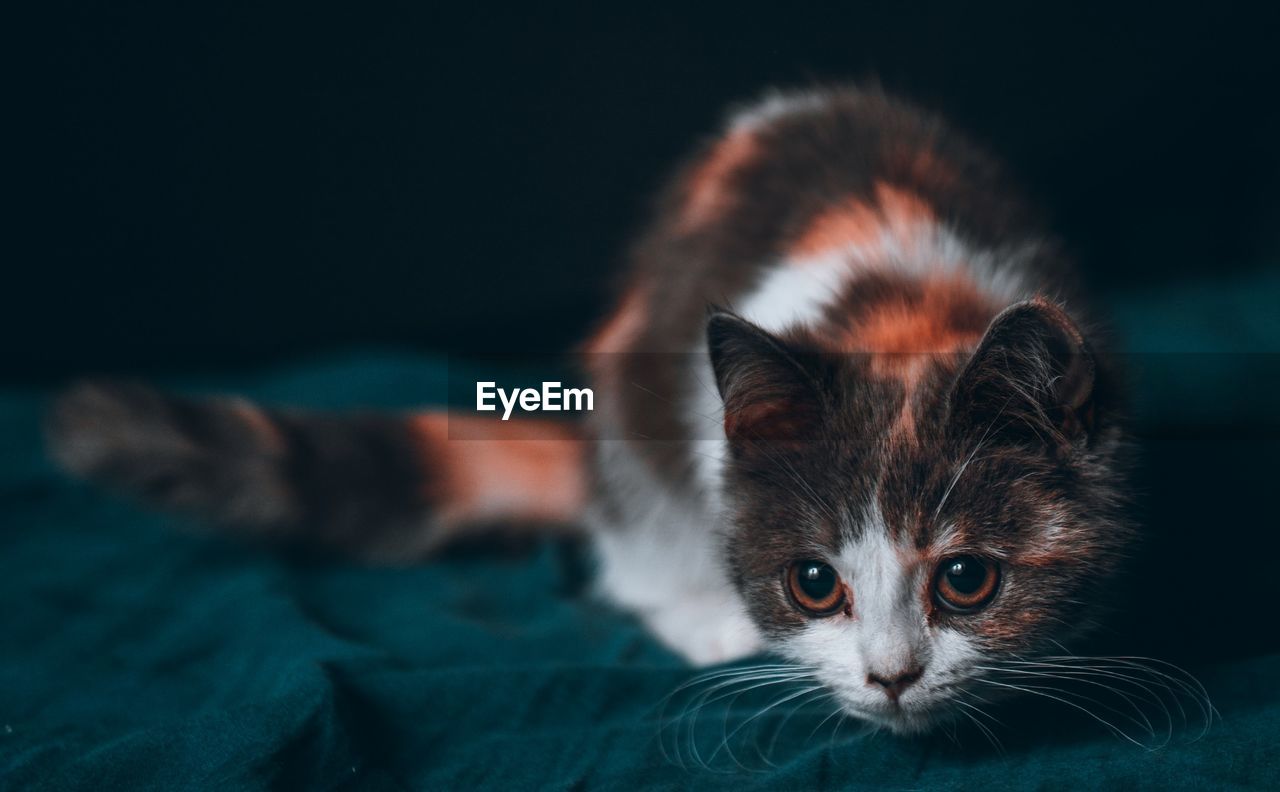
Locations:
{"points": [[903, 550]]}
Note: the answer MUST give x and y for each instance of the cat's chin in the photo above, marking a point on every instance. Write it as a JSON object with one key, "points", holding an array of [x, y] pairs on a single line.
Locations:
{"points": [[908, 724], [905, 721]]}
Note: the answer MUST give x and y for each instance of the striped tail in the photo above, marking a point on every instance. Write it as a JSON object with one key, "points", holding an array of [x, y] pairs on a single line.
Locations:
{"points": [[386, 487]]}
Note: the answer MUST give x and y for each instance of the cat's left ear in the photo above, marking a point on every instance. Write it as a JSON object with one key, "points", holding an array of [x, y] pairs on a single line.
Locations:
{"points": [[1032, 377], [772, 401]]}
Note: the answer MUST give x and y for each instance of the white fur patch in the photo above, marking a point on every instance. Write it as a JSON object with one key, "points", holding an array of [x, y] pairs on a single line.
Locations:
{"points": [[923, 249], [776, 105], [665, 563], [793, 294]]}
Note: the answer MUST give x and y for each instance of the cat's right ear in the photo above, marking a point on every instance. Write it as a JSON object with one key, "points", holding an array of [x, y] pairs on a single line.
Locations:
{"points": [[1032, 378], [771, 398]]}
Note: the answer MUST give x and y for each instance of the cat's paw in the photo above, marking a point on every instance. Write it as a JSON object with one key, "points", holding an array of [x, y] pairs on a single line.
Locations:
{"points": [[706, 631]]}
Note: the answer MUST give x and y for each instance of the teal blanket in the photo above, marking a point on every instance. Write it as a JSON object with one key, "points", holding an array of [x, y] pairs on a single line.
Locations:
{"points": [[136, 652]]}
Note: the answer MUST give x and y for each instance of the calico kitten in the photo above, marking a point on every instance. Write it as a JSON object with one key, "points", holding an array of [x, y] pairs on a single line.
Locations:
{"points": [[846, 410]]}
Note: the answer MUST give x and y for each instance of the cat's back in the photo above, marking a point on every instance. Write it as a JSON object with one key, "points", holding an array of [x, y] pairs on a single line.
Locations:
{"points": [[845, 218]]}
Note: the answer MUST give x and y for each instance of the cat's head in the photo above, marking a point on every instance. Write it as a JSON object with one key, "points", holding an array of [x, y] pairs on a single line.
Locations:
{"points": [[904, 523]]}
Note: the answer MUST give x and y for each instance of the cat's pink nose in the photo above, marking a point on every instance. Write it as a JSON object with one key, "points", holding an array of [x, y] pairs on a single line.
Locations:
{"points": [[893, 686]]}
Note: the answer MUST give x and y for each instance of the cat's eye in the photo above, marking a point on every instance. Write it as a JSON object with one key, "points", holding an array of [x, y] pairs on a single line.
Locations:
{"points": [[966, 583], [815, 587]]}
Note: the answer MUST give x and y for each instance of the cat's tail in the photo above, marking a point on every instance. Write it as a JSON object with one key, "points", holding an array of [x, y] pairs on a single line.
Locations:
{"points": [[388, 487]]}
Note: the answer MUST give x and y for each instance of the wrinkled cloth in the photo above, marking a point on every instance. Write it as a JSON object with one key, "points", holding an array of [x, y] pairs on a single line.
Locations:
{"points": [[140, 652]]}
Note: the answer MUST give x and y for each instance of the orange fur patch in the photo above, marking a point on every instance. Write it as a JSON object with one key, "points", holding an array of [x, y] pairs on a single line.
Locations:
{"points": [[272, 439], [492, 470], [622, 327], [934, 316], [854, 222], [927, 325], [604, 354], [708, 193], [946, 315]]}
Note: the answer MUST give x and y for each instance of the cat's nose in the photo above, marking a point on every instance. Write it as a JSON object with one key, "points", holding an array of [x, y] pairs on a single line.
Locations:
{"points": [[894, 685]]}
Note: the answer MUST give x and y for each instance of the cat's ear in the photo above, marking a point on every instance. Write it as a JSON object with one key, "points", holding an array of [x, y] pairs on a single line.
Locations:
{"points": [[1031, 379], [771, 397]]}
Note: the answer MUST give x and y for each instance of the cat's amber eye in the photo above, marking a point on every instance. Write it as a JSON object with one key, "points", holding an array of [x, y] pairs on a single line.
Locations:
{"points": [[815, 587], [966, 583]]}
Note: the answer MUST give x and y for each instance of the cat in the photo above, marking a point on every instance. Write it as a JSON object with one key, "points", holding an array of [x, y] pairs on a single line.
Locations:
{"points": [[849, 409]]}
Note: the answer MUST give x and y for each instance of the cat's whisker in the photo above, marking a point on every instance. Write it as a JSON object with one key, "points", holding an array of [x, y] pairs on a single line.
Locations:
{"points": [[1076, 672], [753, 677], [725, 743], [1179, 677], [1147, 692], [722, 679], [961, 700], [995, 741], [692, 724], [1061, 646], [753, 682], [1036, 691], [1088, 675], [949, 729], [867, 730], [968, 705], [974, 694], [688, 719], [1182, 679], [817, 696], [838, 711], [720, 685], [1144, 723], [727, 672]]}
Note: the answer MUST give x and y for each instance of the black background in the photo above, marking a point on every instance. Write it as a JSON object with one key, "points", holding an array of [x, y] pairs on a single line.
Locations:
{"points": [[197, 189]]}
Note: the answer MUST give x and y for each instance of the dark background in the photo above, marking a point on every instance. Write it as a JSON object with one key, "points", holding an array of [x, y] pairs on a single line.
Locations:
{"points": [[214, 190], [198, 189]]}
